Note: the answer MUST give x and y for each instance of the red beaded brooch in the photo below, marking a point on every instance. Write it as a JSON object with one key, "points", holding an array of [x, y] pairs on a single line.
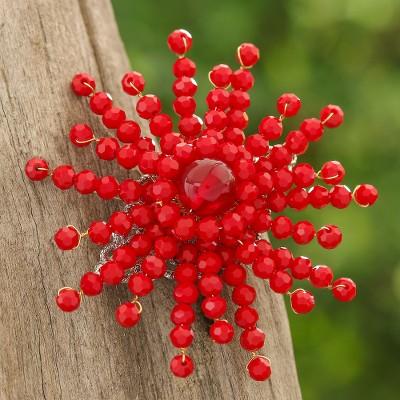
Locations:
{"points": [[207, 194]]}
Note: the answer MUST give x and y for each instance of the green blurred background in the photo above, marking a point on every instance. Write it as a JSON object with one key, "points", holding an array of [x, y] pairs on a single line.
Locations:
{"points": [[325, 51]]}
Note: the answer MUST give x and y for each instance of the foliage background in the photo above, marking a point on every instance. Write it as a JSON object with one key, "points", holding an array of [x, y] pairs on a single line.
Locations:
{"points": [[326, 51]]}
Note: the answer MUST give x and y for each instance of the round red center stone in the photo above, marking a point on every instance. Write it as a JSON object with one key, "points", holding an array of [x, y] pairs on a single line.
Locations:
{"points": [[207, 187]]}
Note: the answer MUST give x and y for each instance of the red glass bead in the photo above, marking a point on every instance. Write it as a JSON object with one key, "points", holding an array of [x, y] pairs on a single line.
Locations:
{"points": [[166, 247], [303, 232], [185, 227], [187, 253], [332, 116], [257, 145], [100, 102], [262, 221], [216, 119], [213, 307], [125, 256], [181, 337], [321, 276], [85, 182], [186, 292], [318, 196], [264, 247], [264, 182], [244, 169], [246, 317], [182, 366], [246, 191], [81, 135], [218, 99], [127, 314], [128, 156], [182, 314], [167, 214], [247, 252], [237, 119], [232, 224], [148, 162], [329, 236], [281, 227], [344, 289], [209, 262], [296, 142], [142, 244], [67, 238], [234, 135], [184, 67], [239, 100], [36, 169], [302, 301], [210, 285], [190, 126], [259, 368], [128, 132], [312, 128], [271, 128], [179, 41], [185, 272], [303, 175], [133, 83], [288, 104], [169, 141], [279, 156], [220, 76], [83, 84], [148, 106], [283, 179], [130, 191], [140, 284], [280, 282], [252, 339], [243, 295], [68, 299], [184, 86], [168, 167], [208, 229], [99, 232], [221, 332], [184, 106], [242, 79], [340, 196], [91, 284], [107, 187], [160, 124], [282, 257], [297, 198], [301, 267], [113, 118], [263, 267], [276, 201], [120, 222], [365, 195], [234, 275], [248, 55], [332, 172], [63, 177], [142, 214], [184, 153], [111, 273], [145, 144], [106, 148]]}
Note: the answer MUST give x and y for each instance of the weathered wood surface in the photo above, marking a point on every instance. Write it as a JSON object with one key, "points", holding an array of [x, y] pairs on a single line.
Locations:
{"points": [[45, 354]]}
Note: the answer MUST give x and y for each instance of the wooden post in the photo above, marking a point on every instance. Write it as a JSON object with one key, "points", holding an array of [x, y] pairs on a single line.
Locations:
{"points": [[45, 354]]}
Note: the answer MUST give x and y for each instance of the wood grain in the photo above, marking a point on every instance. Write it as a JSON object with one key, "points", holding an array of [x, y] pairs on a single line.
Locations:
{"points": [[46, 354]]}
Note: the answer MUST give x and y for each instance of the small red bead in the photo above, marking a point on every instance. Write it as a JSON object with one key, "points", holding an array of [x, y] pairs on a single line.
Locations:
{"points": [[186, 292], [179, 41], [344, 289], [242, 79], [209, 262], [303, 175], [187, 253], [145, 144], [288, 104], [133, 83], [85, 182], [332, 116], [182, 314], [365, 195], [297, 198], [216, 119], [257, 145], [127, 314], [248, 55], [262, 221], [83, 84], [67, 238], [234, 135], [181, 337], [283, 179], [303, 232], [247, 252], [246, 317], [140, 284], [107, 187], [271, 128], [312, 128], [321, 276], [332, 172], [190, 126], [221, 332], [99, 232], [220, 76], [279, 156], [185, 227], [148, 106], [120, 222], [280, 282], [340, 196], [148, 162], [301, 267], [169, 141], [184, 106], [264, 182], [91, 284], [111, 273], [81, 135], [208, 229], [106, 148], [243, 295], [36, 169], [142, 215], [213, 307], [100, 102], [125, 256], [218, 98], [182, 366], [283, 257], [302, 301], [318, 196], [63, 177], [167, 214], [232, 224], [168, 167], [141, 243], [186, 272], [239, 100], [282, 227], [259, 368], [234, 275], [237, 119], [166, 247], [210, 285], [128, 156], [68, 299], [184, 153], [252, 339], [263, 267], [113, 118], [329, 236], [296, 142], [128, 132], [184, 67], [184, 86]]}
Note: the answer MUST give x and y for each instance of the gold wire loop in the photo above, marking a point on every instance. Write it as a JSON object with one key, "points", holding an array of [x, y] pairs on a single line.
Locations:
{"points": [[137, 303], [183, 353], [254, 355], [89, 86], [139, 93], [327, 118]]}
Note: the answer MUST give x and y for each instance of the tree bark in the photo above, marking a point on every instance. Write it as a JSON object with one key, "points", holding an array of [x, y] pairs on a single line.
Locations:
{"points": [[46, 354]]}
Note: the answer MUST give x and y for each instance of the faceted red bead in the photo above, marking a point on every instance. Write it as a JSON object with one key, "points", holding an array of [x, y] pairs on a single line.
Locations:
{"points": [[182, 314], [221, 332], [148, 162], [185, 227], [262, 221], [218, 98], [142, 214], [209, 262], [81, 135], [125, 256], [111, 273], [259, 368], [140, 284], [106, 148], [85, 182], [186, 292], [181, 336], [252, 339], [303, 232], [210, 285], [332, 116], [283, 179], [208, 229], [213, 307], [302, 301], [247, 252], [232, 224], [169, 141], [321, 276], [128, 156], [246, 317], [187, 253], [91, 284], [67, 238], [128, 132], [301, 267], [282, 227], [36, 169], [120, 222], [279, 156], [184, 67], [312, 128], [185, 272], [264, 182], [263, 267], [318, 196], [100, 102], [99, 232], [264, 247], [246, 191], [113, 118], [127, 314], [280, 282], [344, 289], [271, 128], [130, 191], [107, 187], [190, 126], [179, 41], [133, 83], [145, 144], [248, 213], [68, 299], [248, 55], [166, 247], [297, 198], [184, 86], [220, 76], [234, 275], [242, 79], [365, 195], [257, 145], [182, 366], [216, 119], [239, 100], [168, 167], [237, 119], [332, 172], [303, 175], [276, 201], [329, 236], [282, 257], [148, 106], [340, 196], [160, 124], [296, 142], [244, 169], [83, 84], [234, 135], [288, 104], [184, 106], [184, 153], [243, 295], [63, 176], [167, 214]]}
